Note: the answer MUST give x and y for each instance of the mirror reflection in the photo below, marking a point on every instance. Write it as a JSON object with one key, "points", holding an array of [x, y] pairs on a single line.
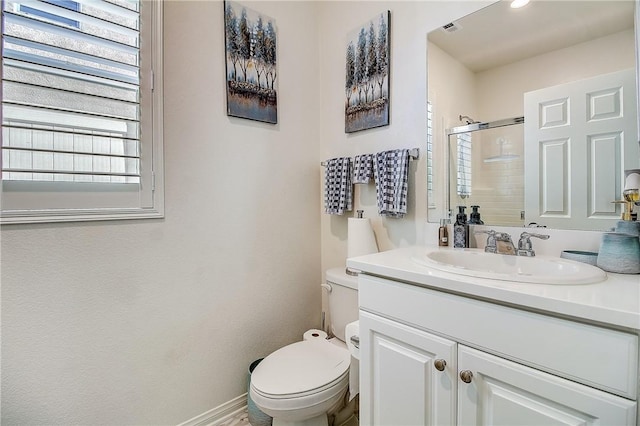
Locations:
{"points": [[486, 170], [565, 165]]}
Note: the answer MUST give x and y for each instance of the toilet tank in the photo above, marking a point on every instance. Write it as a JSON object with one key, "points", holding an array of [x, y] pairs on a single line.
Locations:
{"points": [[342, 300]]}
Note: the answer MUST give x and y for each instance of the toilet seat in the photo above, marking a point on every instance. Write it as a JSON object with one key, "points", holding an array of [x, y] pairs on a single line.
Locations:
{"points": [[339, 381], [301, 369], [301, 381]]}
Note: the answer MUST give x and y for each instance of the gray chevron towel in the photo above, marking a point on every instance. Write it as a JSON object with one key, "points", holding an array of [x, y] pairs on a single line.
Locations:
{"points": [[338, 186], [391, 172]]}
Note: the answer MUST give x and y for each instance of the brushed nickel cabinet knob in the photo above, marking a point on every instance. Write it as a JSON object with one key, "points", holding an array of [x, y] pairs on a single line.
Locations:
{"points": [[466, 376], [440, 364]]}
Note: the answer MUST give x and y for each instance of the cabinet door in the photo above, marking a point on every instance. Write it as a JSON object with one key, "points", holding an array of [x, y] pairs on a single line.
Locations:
{"points": [[407, 376], [505, 393]]}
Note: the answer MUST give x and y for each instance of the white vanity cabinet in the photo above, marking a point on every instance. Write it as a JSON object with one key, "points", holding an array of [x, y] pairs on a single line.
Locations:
{"points": [[429, 357]]}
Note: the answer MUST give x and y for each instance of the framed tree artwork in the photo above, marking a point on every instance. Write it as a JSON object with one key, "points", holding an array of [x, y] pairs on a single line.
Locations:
{"points": [[367, 75], [250, 47]]}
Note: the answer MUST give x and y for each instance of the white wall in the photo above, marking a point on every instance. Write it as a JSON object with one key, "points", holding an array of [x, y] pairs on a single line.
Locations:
{"points": [[156, 321], [452, 92], [501, 88]]}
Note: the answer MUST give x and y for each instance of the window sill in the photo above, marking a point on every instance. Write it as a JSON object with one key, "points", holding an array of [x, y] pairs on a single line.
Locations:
{"points": [[21, 217]]}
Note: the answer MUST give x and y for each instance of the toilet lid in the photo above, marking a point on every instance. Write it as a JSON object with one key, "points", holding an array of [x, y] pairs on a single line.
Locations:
{"points": [[300, 367]]}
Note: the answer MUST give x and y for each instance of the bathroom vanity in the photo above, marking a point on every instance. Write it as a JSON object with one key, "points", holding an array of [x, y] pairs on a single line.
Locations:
{"points": [[440, 348]]}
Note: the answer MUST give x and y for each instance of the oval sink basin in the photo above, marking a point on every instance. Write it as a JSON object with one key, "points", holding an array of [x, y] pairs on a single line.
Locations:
{"points": [[538, 269]]}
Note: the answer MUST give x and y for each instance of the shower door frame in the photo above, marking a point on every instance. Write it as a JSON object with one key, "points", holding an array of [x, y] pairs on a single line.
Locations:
{"points": [[470, 128]]}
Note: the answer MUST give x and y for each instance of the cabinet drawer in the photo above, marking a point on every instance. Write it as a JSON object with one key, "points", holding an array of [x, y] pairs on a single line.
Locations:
{"points": [[599, 357]]}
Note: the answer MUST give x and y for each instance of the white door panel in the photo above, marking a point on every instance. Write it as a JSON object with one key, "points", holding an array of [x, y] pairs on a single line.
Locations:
{"points": [[579, 139]]}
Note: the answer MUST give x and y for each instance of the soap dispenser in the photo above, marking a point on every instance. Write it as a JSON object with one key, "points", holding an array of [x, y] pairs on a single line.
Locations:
{"points": [[474, 217], [443, 233], [461, 229]]}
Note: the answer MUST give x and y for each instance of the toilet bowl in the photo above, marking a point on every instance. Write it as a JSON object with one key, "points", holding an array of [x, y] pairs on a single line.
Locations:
{"points": [[301, 383]]}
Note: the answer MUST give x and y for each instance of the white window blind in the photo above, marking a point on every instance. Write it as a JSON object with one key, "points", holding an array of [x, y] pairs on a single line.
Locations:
{"points": [[464, 165], [430, 200], [79, 115]]}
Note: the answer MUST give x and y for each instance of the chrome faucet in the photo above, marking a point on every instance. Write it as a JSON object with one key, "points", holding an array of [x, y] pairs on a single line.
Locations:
{"points": [[525, 248], [501, 243], [498, 242], [504, 245]]}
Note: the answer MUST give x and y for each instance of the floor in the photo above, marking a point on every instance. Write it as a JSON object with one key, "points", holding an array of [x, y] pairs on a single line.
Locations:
{"points": [[241, 418]]}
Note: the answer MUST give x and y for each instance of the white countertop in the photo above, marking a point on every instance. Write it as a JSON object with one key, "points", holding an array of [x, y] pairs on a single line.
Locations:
{"points": [[614, 302]]}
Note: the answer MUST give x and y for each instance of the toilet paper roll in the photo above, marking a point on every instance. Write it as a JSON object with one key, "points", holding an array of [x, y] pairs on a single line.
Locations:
{"points": [[353, 329], [354, 378], [361, 239], [314, 334]]}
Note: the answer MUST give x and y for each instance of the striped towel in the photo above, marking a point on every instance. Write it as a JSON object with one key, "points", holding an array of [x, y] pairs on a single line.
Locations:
{"points": [[338, 187], [362, 168], [391, 171]]}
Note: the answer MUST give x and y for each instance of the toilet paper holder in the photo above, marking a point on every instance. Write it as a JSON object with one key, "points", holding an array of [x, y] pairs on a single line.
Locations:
{"points": [[356, 341]]}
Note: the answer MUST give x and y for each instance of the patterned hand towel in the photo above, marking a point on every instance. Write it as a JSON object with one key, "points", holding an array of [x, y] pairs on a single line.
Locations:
{"points": [[338, 187], [391, 171], [362, 168]]}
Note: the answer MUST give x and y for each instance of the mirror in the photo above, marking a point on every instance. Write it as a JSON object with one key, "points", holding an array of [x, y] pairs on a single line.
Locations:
{"points": [[479, 69]]}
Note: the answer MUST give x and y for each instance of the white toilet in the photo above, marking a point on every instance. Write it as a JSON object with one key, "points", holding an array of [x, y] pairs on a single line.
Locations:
{"points": [[299, 384]]}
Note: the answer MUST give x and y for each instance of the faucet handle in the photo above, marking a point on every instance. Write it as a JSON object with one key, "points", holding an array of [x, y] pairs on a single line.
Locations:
{"points": [[490, 246], [505, 244], [525, 248], [527, 235]]}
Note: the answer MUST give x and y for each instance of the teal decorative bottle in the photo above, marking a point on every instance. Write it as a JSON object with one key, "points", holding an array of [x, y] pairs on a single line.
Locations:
{"points": [[619, 253]]}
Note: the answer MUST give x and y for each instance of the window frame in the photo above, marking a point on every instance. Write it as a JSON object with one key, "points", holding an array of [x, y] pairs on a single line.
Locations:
{"points": [[151, 187]]}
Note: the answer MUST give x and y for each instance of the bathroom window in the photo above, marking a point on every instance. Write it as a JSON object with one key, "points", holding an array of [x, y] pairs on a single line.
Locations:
{"points": [[430, 200], [464, 165], [81, 109]]}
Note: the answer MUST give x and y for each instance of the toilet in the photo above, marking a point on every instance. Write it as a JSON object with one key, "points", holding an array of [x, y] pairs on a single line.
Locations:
{"points": [[301, 383]]}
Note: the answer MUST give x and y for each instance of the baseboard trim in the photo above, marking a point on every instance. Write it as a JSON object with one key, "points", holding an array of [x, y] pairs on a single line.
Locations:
{"points": [[220, 414]]}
